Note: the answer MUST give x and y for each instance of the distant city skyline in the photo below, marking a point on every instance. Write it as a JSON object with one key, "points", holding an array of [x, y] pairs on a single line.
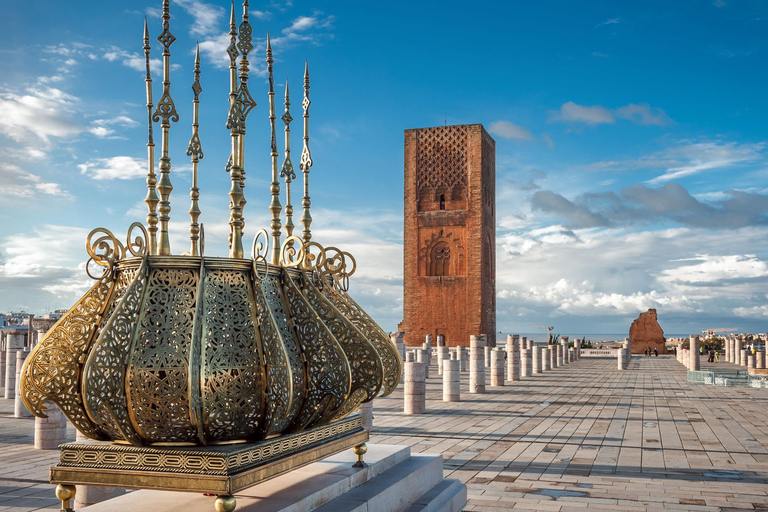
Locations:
{"points": [[631, 148]]}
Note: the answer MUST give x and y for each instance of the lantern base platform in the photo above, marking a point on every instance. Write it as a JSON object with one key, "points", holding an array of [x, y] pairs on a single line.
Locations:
{"points": [[222, 470]]}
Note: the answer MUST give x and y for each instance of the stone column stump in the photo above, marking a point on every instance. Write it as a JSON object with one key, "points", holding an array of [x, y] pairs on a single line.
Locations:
{"points": [[760, 359], [564, 345], [414, 389], [477, 346], [423, 357], [538, 363], [50, 432], [442, 354], [526, 363], [695, 356], [451, 380], [497, 367], [19, 411], [513, 357]]}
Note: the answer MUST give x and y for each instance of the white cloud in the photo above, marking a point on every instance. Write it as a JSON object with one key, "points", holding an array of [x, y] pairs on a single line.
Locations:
{"points": [[615, 274], [116, 167], [689, 159], [18, 182], [100, 131], [708, 269], [207, 17], [38, 115], [642, 114], [509, 130], [310, 29], [570, 112]]}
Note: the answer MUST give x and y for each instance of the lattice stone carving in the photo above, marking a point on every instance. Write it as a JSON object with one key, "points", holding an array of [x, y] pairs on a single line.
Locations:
{"points": [[441, 158]]}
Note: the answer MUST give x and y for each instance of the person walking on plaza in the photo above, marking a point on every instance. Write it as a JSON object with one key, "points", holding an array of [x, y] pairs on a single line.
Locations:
{"points": [[656, 352]]}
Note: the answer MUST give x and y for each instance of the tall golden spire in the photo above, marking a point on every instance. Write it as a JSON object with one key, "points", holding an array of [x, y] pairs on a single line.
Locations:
{"points": [[274, 205], [306, 160], [241, 105], [195, 150], [165, 112], [233, 116], [151, 198], [287, 171]]}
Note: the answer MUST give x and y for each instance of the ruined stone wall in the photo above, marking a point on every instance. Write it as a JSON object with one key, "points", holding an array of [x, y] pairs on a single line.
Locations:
{"points": [[449, 234]]}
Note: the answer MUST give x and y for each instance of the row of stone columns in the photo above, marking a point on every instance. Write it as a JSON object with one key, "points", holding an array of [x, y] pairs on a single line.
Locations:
{"points": [[519, 359], [737, 352]]}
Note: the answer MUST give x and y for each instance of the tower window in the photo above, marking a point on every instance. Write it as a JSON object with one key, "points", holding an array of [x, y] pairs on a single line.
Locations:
{"points": [[442, 201], [439, 260]]}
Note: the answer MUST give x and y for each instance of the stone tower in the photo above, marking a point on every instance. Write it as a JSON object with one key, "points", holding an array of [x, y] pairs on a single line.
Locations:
{"points": [[449, 274]]}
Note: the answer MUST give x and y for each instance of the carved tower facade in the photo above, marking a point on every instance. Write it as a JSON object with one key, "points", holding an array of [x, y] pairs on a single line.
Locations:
{"points": [[449, 274]]}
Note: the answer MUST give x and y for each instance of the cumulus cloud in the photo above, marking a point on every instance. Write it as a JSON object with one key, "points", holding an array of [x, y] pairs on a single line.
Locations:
{"points": [[639, 204], [116, 167], [27, 267], [603, 278], [642, 114], [578, 216]]}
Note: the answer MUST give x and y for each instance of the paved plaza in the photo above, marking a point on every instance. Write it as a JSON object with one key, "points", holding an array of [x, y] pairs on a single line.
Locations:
{"points": [[587, 436], [583, 436]]}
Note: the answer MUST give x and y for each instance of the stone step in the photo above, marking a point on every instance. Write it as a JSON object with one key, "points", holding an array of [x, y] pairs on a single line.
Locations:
{"points": [[395, 490], [300, 490], [450, 495]]}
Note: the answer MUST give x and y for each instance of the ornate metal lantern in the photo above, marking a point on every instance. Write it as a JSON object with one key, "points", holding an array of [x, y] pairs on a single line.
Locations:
{"points": [[196, 350]]}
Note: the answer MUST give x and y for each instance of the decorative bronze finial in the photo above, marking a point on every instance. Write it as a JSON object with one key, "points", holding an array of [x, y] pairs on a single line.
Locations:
{"points": [[242, 104], [287, 171], [233, 115], [166, 111], [306, 159], [195, 150], [151, 198], [274, 206]]}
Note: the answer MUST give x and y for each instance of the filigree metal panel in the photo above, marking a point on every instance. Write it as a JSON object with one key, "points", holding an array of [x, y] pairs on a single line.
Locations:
{"points": [[104, 372], [278, 372], [328, 368], [390, 357], [365, 365], [232, 374], [157, 379], [273, 293], [54, 372]]}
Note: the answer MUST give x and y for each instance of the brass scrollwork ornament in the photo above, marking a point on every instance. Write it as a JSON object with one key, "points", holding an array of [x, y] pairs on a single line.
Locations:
{"points": [[260, 252]]}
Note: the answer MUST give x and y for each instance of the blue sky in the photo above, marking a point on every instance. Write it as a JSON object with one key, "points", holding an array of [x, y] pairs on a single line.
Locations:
{"points": [[631, 144]]}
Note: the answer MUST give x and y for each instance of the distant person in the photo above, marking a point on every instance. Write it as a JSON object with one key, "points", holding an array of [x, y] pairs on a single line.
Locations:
{"points": [[656, 352], [717, 356]]}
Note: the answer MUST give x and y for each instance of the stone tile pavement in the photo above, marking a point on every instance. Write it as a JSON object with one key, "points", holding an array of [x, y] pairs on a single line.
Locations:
{"points": [[23, 470], [587, 436], [580, 437]]}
